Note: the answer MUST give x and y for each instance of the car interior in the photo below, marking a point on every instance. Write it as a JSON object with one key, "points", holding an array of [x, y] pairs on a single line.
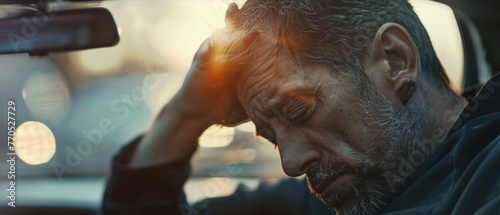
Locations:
{"points": [[98, 52]]}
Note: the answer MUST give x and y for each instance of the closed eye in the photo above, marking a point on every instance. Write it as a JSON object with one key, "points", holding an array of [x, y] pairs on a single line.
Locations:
{"points": [[297, 110]]}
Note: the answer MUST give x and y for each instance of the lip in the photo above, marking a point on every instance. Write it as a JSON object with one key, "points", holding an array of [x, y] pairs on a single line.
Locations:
{"points": [[321, 188], [337, 184]]}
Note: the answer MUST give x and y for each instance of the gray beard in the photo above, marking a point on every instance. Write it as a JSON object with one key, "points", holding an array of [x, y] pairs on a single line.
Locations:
{"points": [[382, 178]]}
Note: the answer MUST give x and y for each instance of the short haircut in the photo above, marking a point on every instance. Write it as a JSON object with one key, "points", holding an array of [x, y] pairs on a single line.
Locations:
{"points": [[334, 32]]}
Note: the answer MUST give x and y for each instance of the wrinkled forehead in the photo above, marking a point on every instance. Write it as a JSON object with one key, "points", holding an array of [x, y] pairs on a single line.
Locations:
{"points": [[269, 75], [265, 61]]}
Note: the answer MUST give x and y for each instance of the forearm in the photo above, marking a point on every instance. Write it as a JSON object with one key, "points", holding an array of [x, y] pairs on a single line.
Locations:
{"points": [[173, 136]]}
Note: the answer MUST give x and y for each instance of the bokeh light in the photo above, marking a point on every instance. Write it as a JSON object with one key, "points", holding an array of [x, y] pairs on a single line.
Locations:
{"points": [[46, 95], [103, 59], [247, 127], [217, 136], [34, 143]]}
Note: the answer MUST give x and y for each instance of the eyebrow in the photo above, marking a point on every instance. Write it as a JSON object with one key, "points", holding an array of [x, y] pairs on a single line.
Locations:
{"points": [[284, 98]]}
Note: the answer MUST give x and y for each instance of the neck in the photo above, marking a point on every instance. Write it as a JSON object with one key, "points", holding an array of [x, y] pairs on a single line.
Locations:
{"points": [[440, 109]]}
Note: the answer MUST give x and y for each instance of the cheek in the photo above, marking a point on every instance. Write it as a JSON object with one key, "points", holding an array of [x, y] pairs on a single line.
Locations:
{"points": [[338, 126]]}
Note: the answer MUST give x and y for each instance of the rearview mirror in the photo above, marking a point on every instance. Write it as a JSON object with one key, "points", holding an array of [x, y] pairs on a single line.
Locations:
{"points": [[67, 30]]}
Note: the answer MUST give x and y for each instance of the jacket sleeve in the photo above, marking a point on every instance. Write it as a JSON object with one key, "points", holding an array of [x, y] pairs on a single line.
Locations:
{"points": [[152, 190], [158, 190]]}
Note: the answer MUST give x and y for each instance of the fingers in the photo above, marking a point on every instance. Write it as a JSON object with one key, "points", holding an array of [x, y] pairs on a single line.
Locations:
{"points": [[232, 15], [231, 20], [220, 38]]}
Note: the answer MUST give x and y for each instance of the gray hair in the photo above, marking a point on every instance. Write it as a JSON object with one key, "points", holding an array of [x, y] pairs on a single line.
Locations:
{"points": [[334, 32]]}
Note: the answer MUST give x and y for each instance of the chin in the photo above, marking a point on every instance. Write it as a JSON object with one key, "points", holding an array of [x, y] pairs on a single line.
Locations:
{"points": [[366, 198], [362, 205]]}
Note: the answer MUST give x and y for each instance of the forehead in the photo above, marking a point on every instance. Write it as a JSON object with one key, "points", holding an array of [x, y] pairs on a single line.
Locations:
{"points": [[275, 77], [274, 72]]}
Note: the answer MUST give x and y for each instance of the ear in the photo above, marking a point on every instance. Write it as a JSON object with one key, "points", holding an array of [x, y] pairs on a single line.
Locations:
{"points": [[397, 57]]}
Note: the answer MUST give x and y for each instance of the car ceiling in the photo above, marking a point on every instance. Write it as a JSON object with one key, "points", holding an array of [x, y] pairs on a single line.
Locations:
{"points": [[486, 16], [484, 13]]}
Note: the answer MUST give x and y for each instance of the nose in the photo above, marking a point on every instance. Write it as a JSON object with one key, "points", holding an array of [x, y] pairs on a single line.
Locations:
{"points": [[296, 151]]}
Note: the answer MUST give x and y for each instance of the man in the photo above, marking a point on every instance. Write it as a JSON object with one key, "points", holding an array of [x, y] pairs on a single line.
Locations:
{"points": [[351, 93]]}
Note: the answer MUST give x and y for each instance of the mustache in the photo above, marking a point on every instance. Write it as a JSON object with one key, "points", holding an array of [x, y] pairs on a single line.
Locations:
{"points": [[327, 170]]}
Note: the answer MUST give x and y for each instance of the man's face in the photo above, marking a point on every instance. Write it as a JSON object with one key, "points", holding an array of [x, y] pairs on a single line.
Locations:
{"points": [[344, 142]]}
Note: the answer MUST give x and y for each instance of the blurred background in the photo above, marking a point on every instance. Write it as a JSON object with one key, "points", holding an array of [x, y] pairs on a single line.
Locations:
{"points": [[74, 110]]}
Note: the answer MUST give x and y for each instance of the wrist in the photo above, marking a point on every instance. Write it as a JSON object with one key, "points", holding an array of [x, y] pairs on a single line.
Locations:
{"points": [[190, 111]]}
